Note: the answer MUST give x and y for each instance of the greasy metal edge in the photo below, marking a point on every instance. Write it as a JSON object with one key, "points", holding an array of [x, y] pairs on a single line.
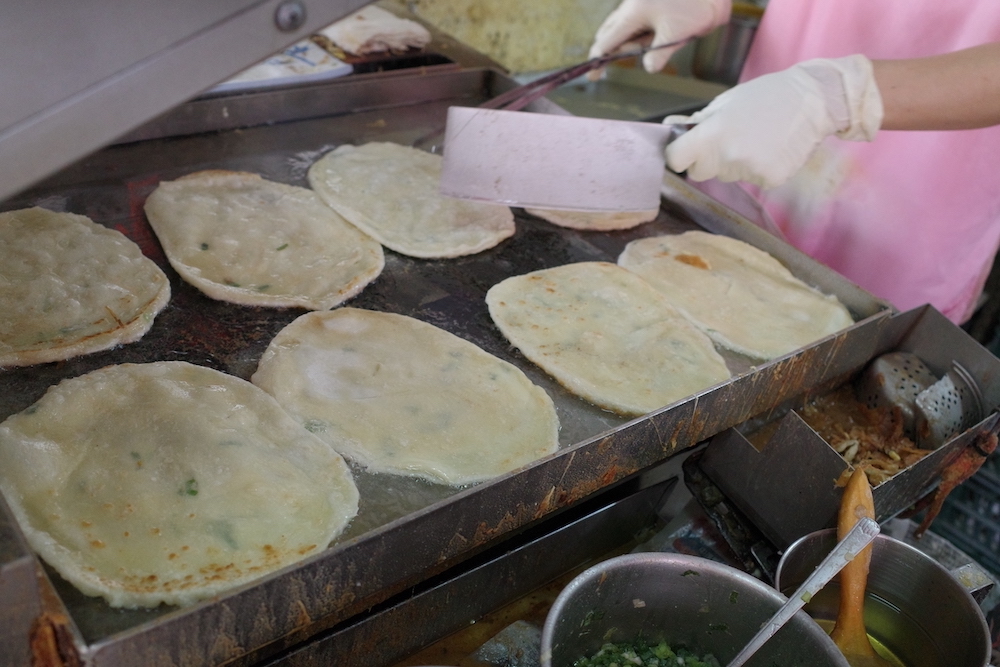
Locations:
{"points": [[336, 97], [362, 92], [419, 618], [317, 594], [21, 602]]}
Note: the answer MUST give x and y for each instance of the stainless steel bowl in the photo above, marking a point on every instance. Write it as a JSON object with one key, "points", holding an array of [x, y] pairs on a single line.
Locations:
{"points": [[915, 607], [684, 600]]}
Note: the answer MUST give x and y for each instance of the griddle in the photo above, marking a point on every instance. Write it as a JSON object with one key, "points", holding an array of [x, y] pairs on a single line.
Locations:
{"points": [[407, 532]]}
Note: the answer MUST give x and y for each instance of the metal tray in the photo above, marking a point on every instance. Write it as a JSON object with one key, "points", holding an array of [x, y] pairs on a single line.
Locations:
{"points": [[407, 531], [787, 487]]}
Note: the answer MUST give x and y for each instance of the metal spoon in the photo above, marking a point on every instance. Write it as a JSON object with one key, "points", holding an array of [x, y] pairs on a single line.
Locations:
{"points": [[858, 538]]}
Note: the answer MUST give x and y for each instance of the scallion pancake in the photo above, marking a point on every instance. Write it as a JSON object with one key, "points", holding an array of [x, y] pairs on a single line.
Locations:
{"points": [[400, 396], [69, 287], [169, 483], [739, 295], [606, 335]]}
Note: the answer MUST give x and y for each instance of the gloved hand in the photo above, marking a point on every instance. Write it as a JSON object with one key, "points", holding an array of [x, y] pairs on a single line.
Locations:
{"points": [[668, 20], [764, 130]]}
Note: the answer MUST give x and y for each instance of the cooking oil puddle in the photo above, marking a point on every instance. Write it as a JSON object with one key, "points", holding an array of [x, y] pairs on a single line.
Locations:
{"points": [[880, 648]]}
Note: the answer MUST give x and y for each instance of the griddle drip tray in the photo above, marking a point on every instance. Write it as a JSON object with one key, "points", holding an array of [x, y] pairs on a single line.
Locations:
{"points": [[788, 488]]}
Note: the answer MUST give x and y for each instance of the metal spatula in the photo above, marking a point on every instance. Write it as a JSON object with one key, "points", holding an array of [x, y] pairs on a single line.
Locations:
{"points": [[534, 160], [498, 154]]}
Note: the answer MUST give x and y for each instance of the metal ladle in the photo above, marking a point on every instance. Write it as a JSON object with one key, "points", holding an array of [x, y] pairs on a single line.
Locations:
{"points": [[858, 538]]}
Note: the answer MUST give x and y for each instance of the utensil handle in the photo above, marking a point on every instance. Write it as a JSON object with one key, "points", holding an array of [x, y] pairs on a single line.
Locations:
{"points": [[858, 538], [518, 98]]}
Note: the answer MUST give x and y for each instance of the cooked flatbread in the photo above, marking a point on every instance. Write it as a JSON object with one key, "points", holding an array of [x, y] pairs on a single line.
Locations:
{"points": [[169, 483], [606, 335], [372, 29], [594, 220], [241, 238], [391, 193], [742, 297], [69, 287], [401, 396]]}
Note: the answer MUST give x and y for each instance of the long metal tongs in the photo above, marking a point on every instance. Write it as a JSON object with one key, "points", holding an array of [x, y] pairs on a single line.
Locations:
{"points": [[520, 97], [517, 98]]}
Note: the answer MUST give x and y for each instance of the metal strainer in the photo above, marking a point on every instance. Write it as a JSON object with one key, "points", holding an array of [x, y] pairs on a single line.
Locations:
{"points": [[947, 407], [933, 410], [895, 380]]}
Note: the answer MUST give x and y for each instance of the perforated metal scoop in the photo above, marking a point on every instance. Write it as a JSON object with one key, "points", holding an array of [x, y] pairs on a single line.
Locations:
{"points": [[946, 408], [933, 409], [895, 380]]}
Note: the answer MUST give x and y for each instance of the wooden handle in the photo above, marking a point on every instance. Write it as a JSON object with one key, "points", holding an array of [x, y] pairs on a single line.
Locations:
{"points": [[849, 634]]}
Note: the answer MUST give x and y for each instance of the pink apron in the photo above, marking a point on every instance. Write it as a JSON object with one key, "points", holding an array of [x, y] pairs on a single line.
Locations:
{"points": [[912, 217]]}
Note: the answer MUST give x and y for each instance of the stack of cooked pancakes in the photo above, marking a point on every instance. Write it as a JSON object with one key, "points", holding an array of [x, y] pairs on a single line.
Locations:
{"points": [[69, 286], [739, 295]]}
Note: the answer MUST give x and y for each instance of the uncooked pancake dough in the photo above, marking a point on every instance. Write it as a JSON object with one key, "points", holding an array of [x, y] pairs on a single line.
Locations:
{"points": [[390, 191], [169, 483], [401, 396], [241, 238], [69, 287], [594, 220], [606, 335], [739, 295]]}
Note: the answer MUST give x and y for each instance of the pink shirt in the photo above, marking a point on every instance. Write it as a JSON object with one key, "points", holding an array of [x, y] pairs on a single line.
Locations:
{"points": [[912, 217]]}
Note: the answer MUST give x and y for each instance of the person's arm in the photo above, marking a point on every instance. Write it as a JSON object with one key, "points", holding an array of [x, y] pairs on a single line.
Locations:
{"points": [[763, 131], [953, 91]]}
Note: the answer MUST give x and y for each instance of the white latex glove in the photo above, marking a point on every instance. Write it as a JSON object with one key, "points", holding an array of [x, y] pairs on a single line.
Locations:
{"points": [[668, 20], [764, 130]]}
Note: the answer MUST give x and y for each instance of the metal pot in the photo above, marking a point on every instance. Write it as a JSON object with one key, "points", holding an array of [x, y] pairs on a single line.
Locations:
{"points": [[915, 608], [719, 55], [684, 600]]}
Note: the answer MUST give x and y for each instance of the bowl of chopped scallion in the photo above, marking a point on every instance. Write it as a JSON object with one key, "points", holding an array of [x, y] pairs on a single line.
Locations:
{"points": [[666, 610]]}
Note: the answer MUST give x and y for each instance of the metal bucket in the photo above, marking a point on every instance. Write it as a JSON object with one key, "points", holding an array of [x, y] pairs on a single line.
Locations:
{"points": [[915, 607], [719, 55], [686, 601]]}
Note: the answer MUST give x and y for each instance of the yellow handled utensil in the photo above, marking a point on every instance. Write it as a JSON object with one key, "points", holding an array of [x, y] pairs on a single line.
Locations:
{"points": [[850, 634]]}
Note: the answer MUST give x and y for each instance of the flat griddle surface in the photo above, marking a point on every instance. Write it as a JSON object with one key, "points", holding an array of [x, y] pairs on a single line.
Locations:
{"points": [[111, 186]]}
